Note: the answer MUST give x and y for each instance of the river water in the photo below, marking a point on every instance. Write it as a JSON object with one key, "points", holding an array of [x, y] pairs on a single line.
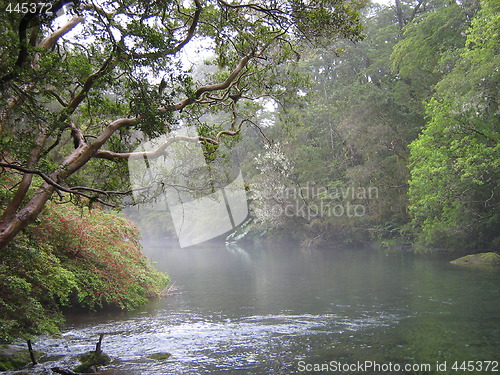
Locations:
{"points": [[282, 309]]}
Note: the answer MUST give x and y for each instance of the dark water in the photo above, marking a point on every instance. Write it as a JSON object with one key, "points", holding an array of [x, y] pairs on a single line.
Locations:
{"points": [[275, 310]]}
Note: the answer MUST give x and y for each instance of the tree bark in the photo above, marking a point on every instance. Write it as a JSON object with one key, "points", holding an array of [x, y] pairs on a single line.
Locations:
{"points": [[13, 221], [25, 183], [11, 227]]}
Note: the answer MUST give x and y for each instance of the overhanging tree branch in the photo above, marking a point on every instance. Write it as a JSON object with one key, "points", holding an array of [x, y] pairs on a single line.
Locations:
{"points": [[46, 44], [215, 87], [192, 29], [72, 190], [75, 102], [254, 27], [52, 39]]}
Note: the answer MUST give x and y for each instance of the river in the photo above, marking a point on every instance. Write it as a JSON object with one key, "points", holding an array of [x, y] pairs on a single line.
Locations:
{"points": [[282, 309]]}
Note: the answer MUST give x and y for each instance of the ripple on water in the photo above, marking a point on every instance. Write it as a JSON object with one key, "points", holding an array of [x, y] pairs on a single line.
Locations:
{"points": [[199, 343]]}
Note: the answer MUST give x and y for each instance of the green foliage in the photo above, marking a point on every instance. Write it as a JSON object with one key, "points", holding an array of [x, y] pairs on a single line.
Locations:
{"points": [[423, 53], [71, 259], [116, 272], [14, 358], [160, 356], [351, 130], [455, 161], [329, 15], [33, 283], [369, 103]]}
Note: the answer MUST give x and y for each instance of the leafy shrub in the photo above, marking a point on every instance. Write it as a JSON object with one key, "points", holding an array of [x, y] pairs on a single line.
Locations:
{"points": [[72, 258]]}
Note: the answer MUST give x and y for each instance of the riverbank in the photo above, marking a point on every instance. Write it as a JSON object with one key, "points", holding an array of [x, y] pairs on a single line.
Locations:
{"points": [[73, 259]]}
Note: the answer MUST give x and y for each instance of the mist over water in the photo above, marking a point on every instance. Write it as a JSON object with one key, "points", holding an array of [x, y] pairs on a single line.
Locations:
{"points": [[261, 310]]}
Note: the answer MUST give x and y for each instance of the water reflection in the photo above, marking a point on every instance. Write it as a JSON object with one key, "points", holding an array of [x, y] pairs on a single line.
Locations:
{"points": [[260, 310]]}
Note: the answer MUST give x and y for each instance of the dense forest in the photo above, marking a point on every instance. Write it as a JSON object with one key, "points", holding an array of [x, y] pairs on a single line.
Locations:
{"points": [[352, 123], [391, 140], [410, 112]]}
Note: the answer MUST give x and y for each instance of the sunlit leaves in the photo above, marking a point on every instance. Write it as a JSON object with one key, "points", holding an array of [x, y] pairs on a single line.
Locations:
{"points": [[455, 162]]}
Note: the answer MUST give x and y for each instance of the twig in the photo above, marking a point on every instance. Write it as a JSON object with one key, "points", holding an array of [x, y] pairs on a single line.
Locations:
{"points": [[50, 181]]}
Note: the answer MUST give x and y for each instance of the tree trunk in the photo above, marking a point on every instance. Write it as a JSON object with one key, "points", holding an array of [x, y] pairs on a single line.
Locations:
{"points": [[14, 219], [399, 13], [11, 226]]}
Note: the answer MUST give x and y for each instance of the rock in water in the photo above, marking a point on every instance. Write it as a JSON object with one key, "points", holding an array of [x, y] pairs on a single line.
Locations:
{"points": [[91, 360], [481, 258]]}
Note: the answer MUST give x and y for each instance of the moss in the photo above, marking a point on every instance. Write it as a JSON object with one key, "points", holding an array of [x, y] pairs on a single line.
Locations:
{"points": [[91, 360], [14, 358], [11, 363], [159, 356], [481, 258]]}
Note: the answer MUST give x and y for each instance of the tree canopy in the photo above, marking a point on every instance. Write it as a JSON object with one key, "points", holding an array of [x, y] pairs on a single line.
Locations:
{"points": [[455, 161], [84, 83], [411, 110]]}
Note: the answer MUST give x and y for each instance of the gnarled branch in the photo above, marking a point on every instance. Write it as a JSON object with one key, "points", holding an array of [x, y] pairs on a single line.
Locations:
{"points": [[192, 29], [75, 102], [51, 39], [203, 89], [51, 182]]}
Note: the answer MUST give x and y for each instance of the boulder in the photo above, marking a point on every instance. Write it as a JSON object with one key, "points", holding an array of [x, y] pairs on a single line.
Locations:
{"points": [[480, 258]]}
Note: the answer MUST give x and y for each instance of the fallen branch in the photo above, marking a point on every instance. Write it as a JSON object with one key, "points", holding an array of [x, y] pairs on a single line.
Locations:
{"points": [[171, 289], [63, 371]]}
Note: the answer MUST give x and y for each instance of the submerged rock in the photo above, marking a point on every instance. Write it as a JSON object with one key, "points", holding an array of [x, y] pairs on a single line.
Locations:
{"points": [[159, 356], [91, 361], [13, 360], [63, 371], [481, 258]]}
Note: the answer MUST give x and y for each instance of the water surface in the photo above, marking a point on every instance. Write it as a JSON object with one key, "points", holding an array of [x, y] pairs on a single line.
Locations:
{"points": [[262, 310]]}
